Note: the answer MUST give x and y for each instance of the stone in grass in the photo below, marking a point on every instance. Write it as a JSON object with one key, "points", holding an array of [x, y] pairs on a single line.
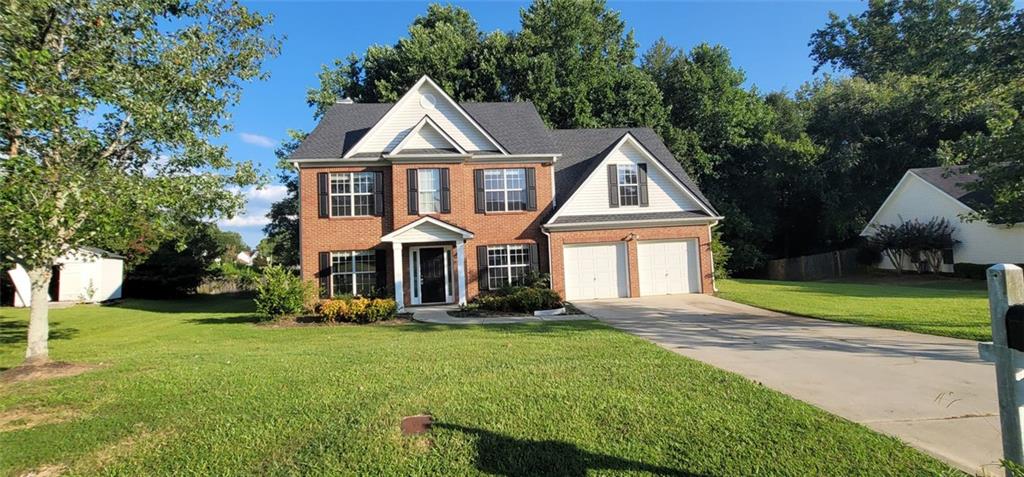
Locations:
{"points": [[413, 425]]}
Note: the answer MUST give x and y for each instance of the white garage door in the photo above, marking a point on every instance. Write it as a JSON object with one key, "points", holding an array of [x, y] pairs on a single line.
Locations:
{"points": [[668, 267], [596, 271]]}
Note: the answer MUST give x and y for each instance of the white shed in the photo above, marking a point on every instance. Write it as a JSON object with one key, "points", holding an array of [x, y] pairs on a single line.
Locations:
{"points": [[929, 192], [84, 275]]}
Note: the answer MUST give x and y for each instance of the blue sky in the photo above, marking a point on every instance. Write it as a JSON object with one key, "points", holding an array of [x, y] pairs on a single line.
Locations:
{"points": [[768, 40]]}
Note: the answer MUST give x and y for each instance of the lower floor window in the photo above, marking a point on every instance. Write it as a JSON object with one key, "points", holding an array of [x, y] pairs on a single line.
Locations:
{"points": [[507, 265], [353, 273]]}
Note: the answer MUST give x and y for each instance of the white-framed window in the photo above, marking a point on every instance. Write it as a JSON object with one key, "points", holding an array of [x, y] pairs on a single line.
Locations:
{"points": [[353, 273], [507, 265], [351, 194], [428, 183], [629, 184], [504, 189]]}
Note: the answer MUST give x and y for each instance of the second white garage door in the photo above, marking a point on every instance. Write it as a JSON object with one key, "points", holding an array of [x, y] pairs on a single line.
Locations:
{"points": [[668, 267], [596, 271]]}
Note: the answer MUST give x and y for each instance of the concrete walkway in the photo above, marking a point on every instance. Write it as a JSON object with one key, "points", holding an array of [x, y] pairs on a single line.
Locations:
{"points": [[932, 392], [439, 315]]}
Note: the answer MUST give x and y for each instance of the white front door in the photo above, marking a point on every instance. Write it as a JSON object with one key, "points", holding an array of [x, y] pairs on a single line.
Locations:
{"points": [[668, 267], [596, 271]]}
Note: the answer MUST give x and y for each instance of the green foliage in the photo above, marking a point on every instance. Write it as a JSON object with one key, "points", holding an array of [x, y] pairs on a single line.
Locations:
{"points": [[282, 294], [362, 310], [281, 244], [913, 239], [720, 252], [520, 299], [177, 267]]}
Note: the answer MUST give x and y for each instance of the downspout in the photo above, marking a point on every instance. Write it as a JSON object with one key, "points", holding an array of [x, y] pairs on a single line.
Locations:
{"points": [[298, 197]]}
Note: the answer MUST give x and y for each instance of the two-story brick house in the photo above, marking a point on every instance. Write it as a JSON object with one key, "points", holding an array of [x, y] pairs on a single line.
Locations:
{"points": [[436, 201]]}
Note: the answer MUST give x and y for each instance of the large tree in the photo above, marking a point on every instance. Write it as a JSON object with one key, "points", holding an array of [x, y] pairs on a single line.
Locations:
{"points": [[107, 111], [954, 70]]}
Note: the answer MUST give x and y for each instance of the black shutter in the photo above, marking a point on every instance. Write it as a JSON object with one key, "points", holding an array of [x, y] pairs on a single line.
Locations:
{"points": [[378, 194], [325, 274], [531, 189], [613, 185], [534, 258], [323, 193], [412, 179], [381, 268], [641, 176], [478, 187], [481, 267], [446, 192]]}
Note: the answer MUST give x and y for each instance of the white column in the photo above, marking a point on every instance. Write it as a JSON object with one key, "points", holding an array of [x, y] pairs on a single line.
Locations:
{"points": [[396, 248], [460, 252]]}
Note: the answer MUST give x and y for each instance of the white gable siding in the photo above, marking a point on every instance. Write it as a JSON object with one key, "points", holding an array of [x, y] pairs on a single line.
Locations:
{"points": [[444, 113], [664, 195], [428, 232], [427, 138], [980, 242]]}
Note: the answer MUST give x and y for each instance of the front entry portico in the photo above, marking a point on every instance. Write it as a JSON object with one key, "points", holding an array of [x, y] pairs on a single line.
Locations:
{"points": [[436, 250]]}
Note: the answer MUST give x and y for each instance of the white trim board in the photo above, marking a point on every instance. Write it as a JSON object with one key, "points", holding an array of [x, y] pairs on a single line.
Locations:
{"points": [[426, 121], [396, 235]]}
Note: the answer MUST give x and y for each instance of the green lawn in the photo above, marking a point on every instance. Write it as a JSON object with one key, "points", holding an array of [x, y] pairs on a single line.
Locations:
{"points": [[196, 388], [947, 308]]}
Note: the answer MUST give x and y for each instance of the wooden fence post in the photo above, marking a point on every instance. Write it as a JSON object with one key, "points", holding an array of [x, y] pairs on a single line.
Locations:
{"points": [[1006, 292]]}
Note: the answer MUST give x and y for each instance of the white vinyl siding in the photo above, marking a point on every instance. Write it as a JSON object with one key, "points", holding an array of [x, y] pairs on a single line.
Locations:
{"points": [[445, 114], [980, 242], [663, 194], [668, 267], [428, 138], [596, 271]]}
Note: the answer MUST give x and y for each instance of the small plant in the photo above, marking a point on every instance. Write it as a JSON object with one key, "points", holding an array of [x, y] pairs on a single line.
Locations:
{"points": [[911, 239], [281, 294], [363, 310], [88, 293]]}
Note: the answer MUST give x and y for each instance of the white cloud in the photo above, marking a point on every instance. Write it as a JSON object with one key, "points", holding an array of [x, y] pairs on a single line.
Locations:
{"points": [[248, 219], [257, 140], [270, 193]]}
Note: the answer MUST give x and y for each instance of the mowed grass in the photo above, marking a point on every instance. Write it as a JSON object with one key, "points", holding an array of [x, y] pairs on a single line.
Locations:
{"points": [[954, 308], [194, 387]]}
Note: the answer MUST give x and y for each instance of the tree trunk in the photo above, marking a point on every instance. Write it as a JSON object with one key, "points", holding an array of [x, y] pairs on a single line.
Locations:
{"points": [[39, 325]]}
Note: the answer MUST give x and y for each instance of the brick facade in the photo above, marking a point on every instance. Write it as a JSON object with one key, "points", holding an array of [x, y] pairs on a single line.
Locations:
{"points": [[699, 232], [363, 233]]}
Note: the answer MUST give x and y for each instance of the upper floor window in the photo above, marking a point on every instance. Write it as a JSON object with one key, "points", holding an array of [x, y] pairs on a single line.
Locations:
{"points": [[429, 187], [352, 193], [629, 184], [353, 273], [505, 189]]}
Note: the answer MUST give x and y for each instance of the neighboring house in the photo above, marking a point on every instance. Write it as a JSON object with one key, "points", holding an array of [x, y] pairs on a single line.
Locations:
{"points": [[85, 275], [437, 201], [246, 258], [930, 192]]}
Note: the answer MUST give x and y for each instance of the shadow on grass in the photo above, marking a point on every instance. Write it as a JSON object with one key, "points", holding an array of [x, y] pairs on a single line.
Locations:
{"points": [[498, 454], [223, 303], [531, 328], [16, 331], [227, 320], [863, 290]]}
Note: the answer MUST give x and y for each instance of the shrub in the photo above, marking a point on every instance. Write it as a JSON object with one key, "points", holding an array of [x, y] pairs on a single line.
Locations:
{"points": [[357, 309], [911, 239], [279, 293], [868, 253], [520, 299]]}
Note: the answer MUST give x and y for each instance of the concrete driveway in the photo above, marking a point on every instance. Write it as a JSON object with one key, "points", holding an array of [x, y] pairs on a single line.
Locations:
{"points": [[932, 392]]}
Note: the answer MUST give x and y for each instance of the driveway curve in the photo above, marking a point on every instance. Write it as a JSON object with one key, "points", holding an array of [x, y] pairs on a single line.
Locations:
{"points": [[932, 392]]}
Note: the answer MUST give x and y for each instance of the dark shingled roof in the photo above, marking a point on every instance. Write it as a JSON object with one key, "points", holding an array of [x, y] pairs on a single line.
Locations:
{"points": [[581, 219], [584, 149], [516, 126], [951, 181]]}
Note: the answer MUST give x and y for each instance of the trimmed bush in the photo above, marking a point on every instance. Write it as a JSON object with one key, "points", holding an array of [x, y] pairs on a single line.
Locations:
{"points": [[520, 299], [282, 294], [347, 309]]}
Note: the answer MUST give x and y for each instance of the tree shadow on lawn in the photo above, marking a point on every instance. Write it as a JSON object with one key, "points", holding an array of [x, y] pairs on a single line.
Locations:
{"points": [[862, 290], [498, 454], [13, 331], [531, 328], [226, 320], [240, 303]]}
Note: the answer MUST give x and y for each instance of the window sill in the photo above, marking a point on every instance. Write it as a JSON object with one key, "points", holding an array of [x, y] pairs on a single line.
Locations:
{"points": [[354, 217]]}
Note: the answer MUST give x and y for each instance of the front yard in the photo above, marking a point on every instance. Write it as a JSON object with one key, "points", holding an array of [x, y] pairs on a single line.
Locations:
{"points": [[954, 308], [196, 388]]}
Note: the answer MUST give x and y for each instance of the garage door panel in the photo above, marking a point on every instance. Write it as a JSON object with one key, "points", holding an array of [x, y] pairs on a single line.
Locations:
{"points": [[668, 267], [595, 271]]}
